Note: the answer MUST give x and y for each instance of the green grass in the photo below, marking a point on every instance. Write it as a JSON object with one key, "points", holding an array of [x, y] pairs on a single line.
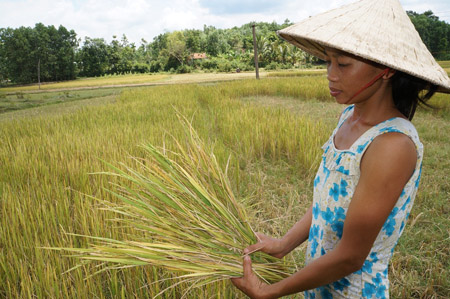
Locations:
{"points": [[272, 129], [444, 63]]}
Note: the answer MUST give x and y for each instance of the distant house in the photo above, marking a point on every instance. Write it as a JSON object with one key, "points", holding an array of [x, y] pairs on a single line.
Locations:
{"points": [[195, 56]]}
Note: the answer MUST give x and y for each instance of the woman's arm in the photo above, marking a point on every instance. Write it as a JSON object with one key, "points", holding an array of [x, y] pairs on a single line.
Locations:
{"points": [[385, 169]]}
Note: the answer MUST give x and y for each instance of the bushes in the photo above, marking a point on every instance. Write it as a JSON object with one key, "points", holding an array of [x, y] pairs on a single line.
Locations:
{"points": [[209, 64], [183, 69], [278, 66], [140, 68], [155, 66], [223, 65], [214, 64]]}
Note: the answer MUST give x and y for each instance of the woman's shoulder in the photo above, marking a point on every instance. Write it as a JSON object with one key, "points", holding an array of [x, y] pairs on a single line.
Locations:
{"points": [[407, 131], [392, 132], [394, 153], [396, 141]]}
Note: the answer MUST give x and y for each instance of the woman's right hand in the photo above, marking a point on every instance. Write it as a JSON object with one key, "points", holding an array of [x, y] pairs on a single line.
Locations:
{"points": [[267, 244]]}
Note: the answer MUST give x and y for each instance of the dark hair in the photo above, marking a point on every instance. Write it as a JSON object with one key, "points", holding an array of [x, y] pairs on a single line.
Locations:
{"points": [[408, 92]]}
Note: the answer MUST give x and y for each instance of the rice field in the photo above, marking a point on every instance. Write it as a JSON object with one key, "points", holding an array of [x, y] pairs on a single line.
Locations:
{"points": [[445, 65], [268, 132], [20, 101], [299, 73]]}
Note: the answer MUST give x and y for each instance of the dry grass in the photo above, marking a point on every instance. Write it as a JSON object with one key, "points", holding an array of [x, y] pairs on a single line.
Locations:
{"points": [[186, 216], [85, 83], [46, 160], [271, 130]]}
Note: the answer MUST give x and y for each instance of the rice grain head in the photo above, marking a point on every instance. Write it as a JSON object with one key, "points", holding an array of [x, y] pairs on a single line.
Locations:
{"points": [[184, 216]]}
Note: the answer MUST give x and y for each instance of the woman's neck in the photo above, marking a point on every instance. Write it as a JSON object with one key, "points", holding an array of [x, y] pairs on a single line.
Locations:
{"points": [[378, 108]]}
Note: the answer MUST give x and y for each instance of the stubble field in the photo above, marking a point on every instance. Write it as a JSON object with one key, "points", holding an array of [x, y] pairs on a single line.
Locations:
{"points": [[271, 130]]}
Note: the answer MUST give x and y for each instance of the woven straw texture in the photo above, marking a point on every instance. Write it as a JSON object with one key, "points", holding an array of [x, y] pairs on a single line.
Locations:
{"points": [[377, 30]]}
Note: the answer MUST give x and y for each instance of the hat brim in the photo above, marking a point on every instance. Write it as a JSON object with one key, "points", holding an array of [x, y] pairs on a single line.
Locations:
{"points": [[317, 48], [376, 30]]}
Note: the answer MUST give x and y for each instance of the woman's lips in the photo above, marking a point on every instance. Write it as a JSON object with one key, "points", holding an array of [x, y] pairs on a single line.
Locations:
{"points": [[335, 92]]}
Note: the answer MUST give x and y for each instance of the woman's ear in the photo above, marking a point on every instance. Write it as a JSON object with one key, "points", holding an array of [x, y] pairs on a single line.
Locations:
{"points": [[389, 74]]}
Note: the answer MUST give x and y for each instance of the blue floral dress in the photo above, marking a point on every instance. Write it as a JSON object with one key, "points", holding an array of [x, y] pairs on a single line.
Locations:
{"points": [[334, 185]]}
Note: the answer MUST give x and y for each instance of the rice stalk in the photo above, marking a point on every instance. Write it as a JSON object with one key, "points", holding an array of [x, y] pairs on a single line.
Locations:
{"points": [[184, 216]]}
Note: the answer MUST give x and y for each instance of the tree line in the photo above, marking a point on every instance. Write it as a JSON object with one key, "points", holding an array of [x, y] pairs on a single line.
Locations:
{"points": [[24, 50], [55, 54]]}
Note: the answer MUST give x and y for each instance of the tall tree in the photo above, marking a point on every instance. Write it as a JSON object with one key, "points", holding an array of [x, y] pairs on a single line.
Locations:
{"points": [[3, 60], [176, 46], [24, 48], [93, 57], [434, 33], [67, 43], [212, 41], [20, 51], [193, 40]]}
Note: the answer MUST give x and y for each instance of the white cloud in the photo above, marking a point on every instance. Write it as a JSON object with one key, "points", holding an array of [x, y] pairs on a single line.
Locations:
{"points": [[239, 7], [147, 18]]}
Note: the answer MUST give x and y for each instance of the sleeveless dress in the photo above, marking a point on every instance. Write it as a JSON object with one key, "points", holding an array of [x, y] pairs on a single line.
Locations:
{"points": [[334, 185]]}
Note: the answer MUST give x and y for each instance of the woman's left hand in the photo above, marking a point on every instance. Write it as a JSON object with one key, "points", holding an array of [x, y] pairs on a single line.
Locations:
{"points": [[250, 284]]}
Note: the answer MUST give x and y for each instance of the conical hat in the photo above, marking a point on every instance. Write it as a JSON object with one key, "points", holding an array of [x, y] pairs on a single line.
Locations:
{"points": [[377, 30]]}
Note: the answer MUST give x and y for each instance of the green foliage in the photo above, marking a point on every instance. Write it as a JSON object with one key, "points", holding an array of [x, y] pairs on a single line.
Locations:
{"points": [[140, 68], [434, 33], [183, 69], [97, 58], [276, 66], [176, 47], [24, 49], [93, 58], [227, 50]]}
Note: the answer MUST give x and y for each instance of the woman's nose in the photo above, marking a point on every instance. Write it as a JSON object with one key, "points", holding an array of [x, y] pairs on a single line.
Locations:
{"points": [[331, 72]]}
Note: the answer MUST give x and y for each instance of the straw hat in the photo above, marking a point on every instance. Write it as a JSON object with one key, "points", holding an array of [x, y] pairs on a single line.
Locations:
{"points": [[377, 30]]}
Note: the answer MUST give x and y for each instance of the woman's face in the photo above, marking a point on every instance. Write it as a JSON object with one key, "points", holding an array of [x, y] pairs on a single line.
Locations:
{"points": [[347, 74]]}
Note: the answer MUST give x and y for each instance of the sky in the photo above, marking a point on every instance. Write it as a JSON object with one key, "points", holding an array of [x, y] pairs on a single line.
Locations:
{"points": [[147, 19]]}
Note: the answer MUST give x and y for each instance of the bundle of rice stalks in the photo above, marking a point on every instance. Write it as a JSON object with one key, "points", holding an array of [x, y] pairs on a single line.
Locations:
{"points": [[186, 218]]}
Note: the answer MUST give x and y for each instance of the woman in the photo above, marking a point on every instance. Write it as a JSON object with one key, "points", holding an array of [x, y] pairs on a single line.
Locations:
{"points": [[366, 184]]}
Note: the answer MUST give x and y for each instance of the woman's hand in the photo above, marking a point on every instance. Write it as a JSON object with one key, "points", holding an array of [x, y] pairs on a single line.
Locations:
{"points": [[267, 244], [250, 284]]}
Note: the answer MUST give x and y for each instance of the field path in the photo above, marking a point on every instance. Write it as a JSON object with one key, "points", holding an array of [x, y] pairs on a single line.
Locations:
{"points": [[167, 80]]}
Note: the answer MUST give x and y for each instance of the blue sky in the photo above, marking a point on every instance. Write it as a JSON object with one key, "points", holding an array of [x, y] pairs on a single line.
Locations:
{"points": [[147, 18]]}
